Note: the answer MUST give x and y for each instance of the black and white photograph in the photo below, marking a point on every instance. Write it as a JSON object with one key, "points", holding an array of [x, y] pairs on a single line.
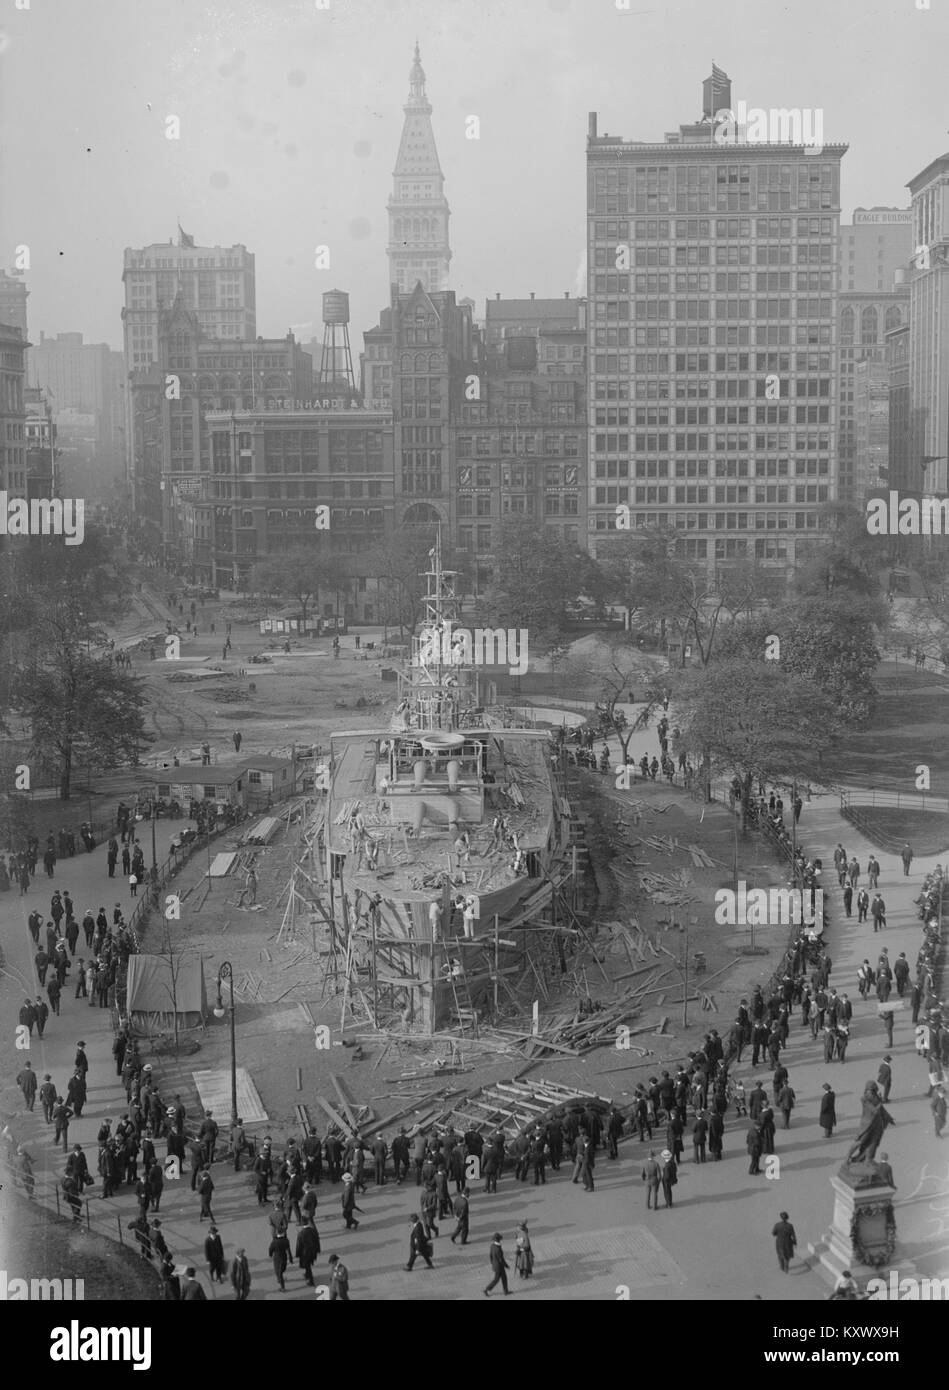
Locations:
{"points": [[474, 664]]}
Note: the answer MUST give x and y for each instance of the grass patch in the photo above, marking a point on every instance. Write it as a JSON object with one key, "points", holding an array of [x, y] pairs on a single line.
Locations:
{"points": [[907, 729], [889, 827]]}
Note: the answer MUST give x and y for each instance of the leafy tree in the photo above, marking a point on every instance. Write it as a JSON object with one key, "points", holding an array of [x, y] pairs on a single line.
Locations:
{"points": [[845, 558], [399, 564], [757, 722], [829, 641], [537, 576], [664, 589], [614, 681], [302, 573], [78, 704]]}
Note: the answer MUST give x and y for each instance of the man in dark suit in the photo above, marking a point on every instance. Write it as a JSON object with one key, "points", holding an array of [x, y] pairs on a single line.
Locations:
{"points": [[885, 1077], [757, 1100], [828, 1110], [81, 1063], [499, 1266], [785, 1239], [190, 1288], [419, 1243]]}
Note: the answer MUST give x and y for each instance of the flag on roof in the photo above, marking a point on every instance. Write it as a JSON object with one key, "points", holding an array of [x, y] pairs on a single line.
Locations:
{"points": [[184, 239]]}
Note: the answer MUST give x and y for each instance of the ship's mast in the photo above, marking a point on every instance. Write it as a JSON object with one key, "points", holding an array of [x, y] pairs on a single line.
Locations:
{"points": [[438, 664]]}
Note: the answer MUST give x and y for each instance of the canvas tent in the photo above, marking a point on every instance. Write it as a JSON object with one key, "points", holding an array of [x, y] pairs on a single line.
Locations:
{"points": [[159, 988]]}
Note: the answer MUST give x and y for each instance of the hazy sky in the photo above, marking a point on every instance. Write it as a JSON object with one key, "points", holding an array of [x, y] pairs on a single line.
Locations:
{"points": [[291, 116]]}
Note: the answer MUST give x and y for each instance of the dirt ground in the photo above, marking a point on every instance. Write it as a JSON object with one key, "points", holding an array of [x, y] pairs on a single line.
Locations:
{"points": [[293, 699]]}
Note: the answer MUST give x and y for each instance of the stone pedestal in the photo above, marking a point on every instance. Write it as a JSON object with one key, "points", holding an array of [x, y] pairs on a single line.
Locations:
{"points": [[862, 1234]]}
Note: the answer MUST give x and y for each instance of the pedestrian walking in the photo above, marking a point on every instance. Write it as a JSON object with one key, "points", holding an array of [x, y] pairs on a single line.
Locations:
{"points": [[349, 1202], [652, 1176], [907, 856], [863, 905], [214, 1255], [699, 1136], [886, 1017], [419, 1243], [240, 1275], [938, 1106], [878, 913], [205, 1189], [753, 1144], [848, 900], [47, 1097], [461, 1211], [885, 1077], [499, 1266], [339, 1280], [785, 1240], [827, 1118], [279, 1252], [307, 1250], [26, 1081]]}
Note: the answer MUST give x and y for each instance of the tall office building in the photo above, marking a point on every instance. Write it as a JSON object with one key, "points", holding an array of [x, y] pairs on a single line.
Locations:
{"points": [[13, 297], [418, 208], [865, 318], [929, 325], [217, 283], [87, 403], [712, 337], [877, 244], [13, 346]]}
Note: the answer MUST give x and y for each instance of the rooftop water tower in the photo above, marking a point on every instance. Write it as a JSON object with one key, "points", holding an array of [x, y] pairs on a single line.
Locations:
{"points": [[336, 360]]}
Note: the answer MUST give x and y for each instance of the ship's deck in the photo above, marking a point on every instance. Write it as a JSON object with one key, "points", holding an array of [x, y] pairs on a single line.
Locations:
{"points": [[519, 782]]}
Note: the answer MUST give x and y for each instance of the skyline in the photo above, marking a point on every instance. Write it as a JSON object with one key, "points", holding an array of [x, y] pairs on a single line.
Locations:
{"points": [[291, 118]]}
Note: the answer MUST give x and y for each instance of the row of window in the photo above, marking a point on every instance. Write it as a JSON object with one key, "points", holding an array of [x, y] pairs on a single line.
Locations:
{"points": [[737, 493], [733, 335], [660, 229], [486, 445], [735, 521]]}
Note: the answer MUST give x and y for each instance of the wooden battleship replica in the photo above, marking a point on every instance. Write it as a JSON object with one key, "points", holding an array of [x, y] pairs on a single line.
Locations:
{"points": [[447, 840]]}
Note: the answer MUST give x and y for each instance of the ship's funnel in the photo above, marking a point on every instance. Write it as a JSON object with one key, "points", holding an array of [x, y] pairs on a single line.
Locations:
{"points": [[420, 769]]}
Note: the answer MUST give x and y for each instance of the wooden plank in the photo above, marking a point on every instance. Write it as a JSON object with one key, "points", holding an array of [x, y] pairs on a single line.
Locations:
{"points": [[338, 1120]]}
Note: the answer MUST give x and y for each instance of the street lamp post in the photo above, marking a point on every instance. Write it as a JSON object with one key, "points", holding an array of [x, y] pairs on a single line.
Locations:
{"points": [[148, 795], [226, 972]]}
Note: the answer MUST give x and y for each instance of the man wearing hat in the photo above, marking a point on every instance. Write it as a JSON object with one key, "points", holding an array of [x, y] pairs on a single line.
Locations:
{"points": [[349, 1202], [208, 1135], [785, 1240], [159, 1244], [48, 1097], [82, 1062], [240, 1275], [339, 1280], [499, 1266], [214, 1254], [885, 1077], [882, 1164], [668, 1176], [308, 1248], [191, 1289], [205, 1188], [419, 1243]]}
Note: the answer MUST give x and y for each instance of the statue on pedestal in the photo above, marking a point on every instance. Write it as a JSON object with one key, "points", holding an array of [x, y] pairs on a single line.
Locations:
{"points": [[875, 1119]]}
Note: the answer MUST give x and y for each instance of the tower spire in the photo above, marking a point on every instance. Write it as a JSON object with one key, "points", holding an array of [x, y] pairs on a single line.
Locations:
{"points": [[418, 209]]}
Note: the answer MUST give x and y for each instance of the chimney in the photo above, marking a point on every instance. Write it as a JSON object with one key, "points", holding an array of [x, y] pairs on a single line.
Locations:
{"points": [[532, 294], [566, 294], [591, 125], [497, 296]]}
